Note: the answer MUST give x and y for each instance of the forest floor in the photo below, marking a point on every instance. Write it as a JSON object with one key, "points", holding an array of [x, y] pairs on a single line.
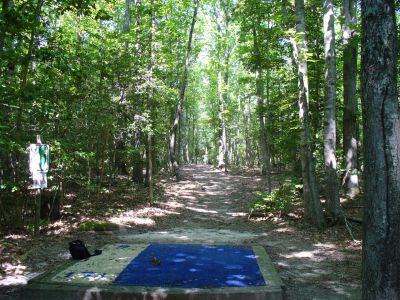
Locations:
{"points": [[206, 206]]}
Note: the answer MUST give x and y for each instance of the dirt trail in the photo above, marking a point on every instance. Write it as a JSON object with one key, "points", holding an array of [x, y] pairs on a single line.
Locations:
{"points": [[209, 206]]}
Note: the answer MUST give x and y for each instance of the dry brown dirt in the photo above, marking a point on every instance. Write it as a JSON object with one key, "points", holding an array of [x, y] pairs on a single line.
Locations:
{"points": [[207, 206]]}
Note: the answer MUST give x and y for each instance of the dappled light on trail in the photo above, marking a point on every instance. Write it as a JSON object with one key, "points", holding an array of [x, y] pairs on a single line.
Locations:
{"points": [[213, 209], [144, 216], [208, 206]]}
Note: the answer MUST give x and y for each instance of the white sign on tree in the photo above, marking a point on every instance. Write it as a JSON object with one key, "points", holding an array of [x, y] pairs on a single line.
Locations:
{"points": [[39, 165]]}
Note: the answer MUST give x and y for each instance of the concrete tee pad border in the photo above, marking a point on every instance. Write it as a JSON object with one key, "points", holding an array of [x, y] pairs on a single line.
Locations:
{"points": [[93, 279]]}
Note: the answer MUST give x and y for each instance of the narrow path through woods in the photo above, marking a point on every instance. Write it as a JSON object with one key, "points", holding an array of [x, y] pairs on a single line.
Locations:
{"points": [[210, 206]]}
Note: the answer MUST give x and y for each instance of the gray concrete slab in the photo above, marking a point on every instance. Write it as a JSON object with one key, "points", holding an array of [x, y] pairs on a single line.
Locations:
{"points": [[93, 278]]}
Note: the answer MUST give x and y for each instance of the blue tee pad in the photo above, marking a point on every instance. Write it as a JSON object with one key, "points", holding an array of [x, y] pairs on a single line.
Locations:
{"points": [[193, 266]]}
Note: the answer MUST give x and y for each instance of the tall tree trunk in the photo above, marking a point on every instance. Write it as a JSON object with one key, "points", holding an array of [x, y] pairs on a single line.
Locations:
{"points": [[194, 141], [350, 179], [237, 139], [187, 128], [24, 99], [317, 121], [27, 63], [3, 28], [381, 124], [179, 106], [137, 168], [223, 66], [136, 142], [150, 104], [222, 126], [180, 139], [127, 16], [312, 205], [246, 121], [331, 181], [119, 140], [263, 139]]}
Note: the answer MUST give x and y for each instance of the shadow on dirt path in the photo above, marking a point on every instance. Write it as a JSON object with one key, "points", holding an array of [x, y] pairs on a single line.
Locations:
{"points": [[210, 206]]}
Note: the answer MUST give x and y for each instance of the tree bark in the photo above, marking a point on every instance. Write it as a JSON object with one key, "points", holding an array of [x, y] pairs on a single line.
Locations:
{"points": [[246, 123], [223, 80], [150, 103], [381, 124], [350, 109], [331, 182], [3, 28], [137, 168], [263, 139], [179, 107], [312, 205], [222, 126], [187, 128], [194, 141], [127, 16]]}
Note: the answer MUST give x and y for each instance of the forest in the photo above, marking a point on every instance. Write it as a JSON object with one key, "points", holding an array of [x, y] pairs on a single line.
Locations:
{"points": [[127, 93]]}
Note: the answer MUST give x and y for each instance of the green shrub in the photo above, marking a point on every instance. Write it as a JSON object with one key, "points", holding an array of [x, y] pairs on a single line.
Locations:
{"points": [[278, 201]]}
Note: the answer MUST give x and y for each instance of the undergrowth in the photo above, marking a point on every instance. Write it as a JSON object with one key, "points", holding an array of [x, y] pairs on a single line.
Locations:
{"points": [[279, 201]]}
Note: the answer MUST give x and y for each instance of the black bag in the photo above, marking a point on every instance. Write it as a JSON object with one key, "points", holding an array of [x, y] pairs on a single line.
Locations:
{"points": [[78, 250]]}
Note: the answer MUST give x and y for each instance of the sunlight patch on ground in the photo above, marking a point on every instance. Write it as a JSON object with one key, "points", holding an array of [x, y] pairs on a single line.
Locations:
{"points": [[174, 204], [326, 246], [59, 227], [124, 220], [188, 197], [14, 274], [285, 229], [16, 237], [13, 280], [192, 235], [212, 171], [237, 214], [302, 254], [200, 210], [142, 216], [321, 253]]}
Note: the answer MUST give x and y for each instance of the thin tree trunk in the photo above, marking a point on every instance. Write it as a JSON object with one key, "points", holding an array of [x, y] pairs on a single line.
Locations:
{"points": [[194, 157], [246, 121], [150, 166], [3, 28], [137, 168], [331, 182], [350, 179], [150, 101], [186, 145], [179, 142], [127, 16], [238, 140], [312, 205], [27, 63], [263, 139], [317, 121], [381, 124], [267, 112], [178, 112], [222, 82], [222, 126]]}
